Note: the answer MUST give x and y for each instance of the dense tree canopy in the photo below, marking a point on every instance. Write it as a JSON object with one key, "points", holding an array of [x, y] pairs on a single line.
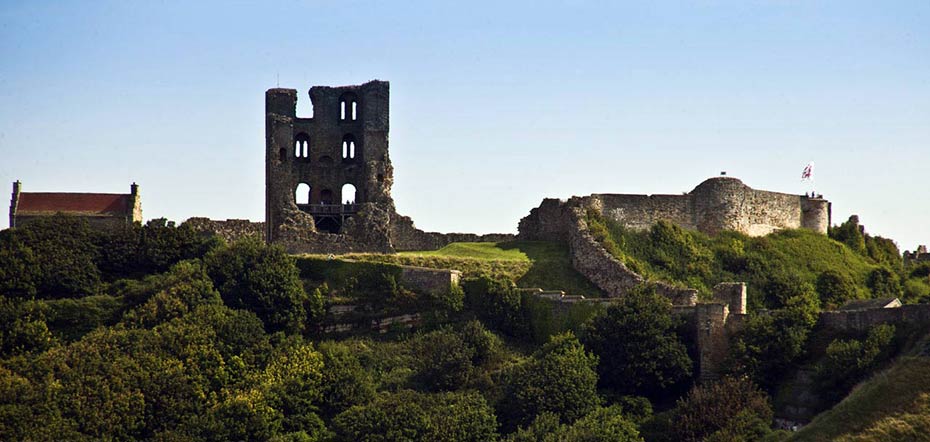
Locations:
{"points": [[638, 349]]}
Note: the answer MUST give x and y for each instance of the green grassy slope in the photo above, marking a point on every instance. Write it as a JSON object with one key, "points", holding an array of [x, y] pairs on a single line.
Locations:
{"points": [[530, 263], [893, 405], [689, 258]]}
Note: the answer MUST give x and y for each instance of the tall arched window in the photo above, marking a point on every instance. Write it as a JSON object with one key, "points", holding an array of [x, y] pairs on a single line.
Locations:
{"points": [[348, 193], [302, 145], [348, 107], [348, 147], [302, 194]]}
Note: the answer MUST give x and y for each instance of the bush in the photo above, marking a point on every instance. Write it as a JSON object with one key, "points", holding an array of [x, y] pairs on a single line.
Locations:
{"points": [[726, 410], [560, 378], [263, 279], [638, 349], [835, 288], [883, 283], [849, 361], [411, 416], [497, 302], [772, 342]]}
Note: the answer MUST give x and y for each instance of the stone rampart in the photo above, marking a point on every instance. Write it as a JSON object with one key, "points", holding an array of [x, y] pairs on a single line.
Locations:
{"points": [[230, 230], [406, 237], [861, 320], [594, 262], [429, 281]]}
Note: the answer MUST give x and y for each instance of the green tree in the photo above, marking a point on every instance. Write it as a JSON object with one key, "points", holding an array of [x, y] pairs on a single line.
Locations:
{"points": [[638, 349], [771, 342], [497, 302], [411, 416], [444, 360], [608, 424], [22, 328], [849, 361], [19, 266], [883, 283], [560, 377], [262, 279], [345, 382], [731, 409], [65, 255], [835, 288]]}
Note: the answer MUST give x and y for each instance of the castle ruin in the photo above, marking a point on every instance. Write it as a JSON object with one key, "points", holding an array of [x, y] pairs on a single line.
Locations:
{"points": [[328, 177]]}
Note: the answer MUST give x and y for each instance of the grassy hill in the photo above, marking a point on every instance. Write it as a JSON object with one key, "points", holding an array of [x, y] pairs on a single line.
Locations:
{"points": [[770, 264], [529, 263], [894, 405]]}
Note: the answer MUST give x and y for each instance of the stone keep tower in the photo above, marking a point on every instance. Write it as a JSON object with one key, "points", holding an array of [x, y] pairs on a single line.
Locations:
{"points": [[330, 165]]}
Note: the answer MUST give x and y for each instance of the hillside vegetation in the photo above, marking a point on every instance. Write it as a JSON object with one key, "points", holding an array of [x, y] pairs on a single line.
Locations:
{"points": [[541, 264], [840, 267], [894, 405], [156, 332]]}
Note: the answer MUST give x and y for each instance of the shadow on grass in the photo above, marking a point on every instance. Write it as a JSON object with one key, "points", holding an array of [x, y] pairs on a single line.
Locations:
{"points": [[551, 268]]}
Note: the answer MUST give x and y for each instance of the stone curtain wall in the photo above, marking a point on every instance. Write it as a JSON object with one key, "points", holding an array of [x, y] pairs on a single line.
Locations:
{"points": [[594, 262], [640, 212], [863, 320], [719, 204], [429, 281], [406, 237], [230, 230]]}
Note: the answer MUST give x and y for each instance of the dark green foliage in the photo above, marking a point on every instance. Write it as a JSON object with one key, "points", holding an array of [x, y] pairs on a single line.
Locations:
{"points": [[411, 416], [608, 424], [850, 234], [732, 409], [497, 302], [883, 283], [444, 362], [22, 328], [773, 341], [638, 349], [171, 295], [835, 288], [65, 253], [19, 267], [69, 319], [345, 382], [262, 279], [849, 361], [560, 377], [774, 266], [450, 360]]}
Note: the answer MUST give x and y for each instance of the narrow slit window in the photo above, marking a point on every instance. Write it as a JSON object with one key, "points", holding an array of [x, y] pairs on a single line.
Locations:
{"points": [[351, 149], [354, 110], [342, 110]]}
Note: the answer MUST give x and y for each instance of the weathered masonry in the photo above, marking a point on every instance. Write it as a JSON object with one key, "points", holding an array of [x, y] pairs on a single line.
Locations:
{"points": [[99, 209], [717, 204], [328, 177]]}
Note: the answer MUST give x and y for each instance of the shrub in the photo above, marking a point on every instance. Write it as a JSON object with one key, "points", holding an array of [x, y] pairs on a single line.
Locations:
{"points": [[560, 377], [638, 349], [729, 409], [263, 279]]}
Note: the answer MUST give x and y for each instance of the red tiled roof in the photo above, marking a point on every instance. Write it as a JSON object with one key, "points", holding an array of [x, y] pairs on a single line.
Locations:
{"points": [[84, 203]]}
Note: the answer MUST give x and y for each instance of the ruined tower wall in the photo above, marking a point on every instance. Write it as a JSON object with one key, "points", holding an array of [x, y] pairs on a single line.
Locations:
{"points": [[640, 212]]}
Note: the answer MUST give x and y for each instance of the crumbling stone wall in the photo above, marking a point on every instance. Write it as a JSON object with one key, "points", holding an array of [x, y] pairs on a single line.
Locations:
{"points": [[862, 320], [344, 142], [230, 230], [429, 281]]}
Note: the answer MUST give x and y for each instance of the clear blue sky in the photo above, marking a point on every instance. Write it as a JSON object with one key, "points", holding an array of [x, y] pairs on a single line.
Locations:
{"points": [[494, 105]]}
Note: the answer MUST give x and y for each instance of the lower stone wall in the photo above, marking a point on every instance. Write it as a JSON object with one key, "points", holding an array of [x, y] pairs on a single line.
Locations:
{"points": [[429, 281], [230, 230], [406, 237], [863, 320], [594, 262]]}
